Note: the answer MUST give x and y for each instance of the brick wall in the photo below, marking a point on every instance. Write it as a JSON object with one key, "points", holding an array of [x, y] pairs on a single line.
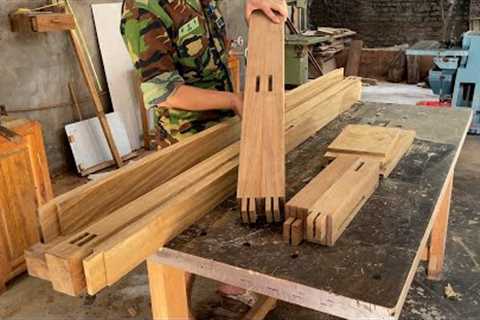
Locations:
{"points": [[474, 8], [390, 22]]}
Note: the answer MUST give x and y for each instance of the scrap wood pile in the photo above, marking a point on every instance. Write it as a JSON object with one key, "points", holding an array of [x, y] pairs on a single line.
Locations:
{"points": [[337, 40], [96, 234]]}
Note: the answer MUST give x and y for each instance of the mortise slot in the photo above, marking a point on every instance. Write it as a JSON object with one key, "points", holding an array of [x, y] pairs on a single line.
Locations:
{"points": [[86, 240], [257, 85], [270, 83], [360, 165], [80, 237]]}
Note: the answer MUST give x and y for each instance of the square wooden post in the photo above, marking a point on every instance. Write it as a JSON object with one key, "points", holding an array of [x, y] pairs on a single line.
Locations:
{"points": [[168, 291], [438, 237]]}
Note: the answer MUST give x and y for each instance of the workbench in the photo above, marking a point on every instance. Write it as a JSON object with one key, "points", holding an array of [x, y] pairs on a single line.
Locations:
{"points": [[368, 273]]}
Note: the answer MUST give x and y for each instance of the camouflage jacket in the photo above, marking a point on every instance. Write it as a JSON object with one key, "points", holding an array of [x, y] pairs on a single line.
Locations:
{"points": [[173, 42]]}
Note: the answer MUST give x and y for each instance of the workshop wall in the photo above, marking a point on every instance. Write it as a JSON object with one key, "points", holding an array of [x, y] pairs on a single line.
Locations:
{"points": [[36, 69], [390, 22]]}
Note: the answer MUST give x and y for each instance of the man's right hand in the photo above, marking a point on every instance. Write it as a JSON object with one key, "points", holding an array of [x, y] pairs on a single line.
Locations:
{"points": [[276, 10]]}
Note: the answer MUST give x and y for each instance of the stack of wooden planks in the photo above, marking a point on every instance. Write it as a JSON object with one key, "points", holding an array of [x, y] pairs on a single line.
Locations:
{"points": [[261, 178], [98, 233], [322, 210]]}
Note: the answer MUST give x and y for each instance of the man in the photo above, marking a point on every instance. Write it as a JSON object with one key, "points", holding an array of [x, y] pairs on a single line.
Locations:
{"points": [[179, 49]]}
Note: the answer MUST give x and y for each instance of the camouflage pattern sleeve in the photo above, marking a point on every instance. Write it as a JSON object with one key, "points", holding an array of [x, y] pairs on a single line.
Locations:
{"points": [[151, 49]]}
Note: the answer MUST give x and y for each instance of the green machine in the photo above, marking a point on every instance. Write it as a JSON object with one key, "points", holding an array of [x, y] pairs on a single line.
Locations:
{"points": [[297, 45]]}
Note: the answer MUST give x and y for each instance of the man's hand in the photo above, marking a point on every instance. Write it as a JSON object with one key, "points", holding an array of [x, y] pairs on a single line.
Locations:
{"points": [[276, 10], [237, 104]]}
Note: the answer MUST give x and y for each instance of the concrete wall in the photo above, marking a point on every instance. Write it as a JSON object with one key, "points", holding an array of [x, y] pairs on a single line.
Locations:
{"points": [[36, 68], [390, 22]]}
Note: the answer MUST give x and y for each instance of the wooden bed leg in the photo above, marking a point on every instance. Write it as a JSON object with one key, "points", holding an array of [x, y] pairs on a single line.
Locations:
{"points": [[168, 291], [436, 252]]}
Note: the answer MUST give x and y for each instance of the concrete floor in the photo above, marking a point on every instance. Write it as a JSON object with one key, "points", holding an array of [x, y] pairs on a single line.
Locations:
{"points": [[29, 298]]}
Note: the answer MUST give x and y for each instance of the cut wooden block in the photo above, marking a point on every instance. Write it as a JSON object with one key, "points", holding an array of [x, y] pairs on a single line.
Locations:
{"points": [[262, 151], [387, 145], [337, 207], [302, 204]]}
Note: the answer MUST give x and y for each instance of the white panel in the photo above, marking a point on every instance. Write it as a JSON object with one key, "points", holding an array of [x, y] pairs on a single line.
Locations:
{"points": [[118, 68], [89, 145]]}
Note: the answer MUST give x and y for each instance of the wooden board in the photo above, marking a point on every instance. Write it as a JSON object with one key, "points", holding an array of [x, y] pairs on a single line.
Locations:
{"points": [[365, 139], [337, 207], [373, 143], [64, 260], [52, 22], [261, 182], [298, 209]]}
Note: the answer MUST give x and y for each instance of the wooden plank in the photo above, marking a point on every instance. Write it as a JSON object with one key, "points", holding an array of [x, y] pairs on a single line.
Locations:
{"points": [[66, 257], [115, 257], [438, 238], [366, 140], [75, 103], [387, 163], [52, 22], [345, 199], [88, 203], [302, 204], [354, 56], [82, 60], [168, 292], [262, 151], [124, 251], [312, 88], [261, 309]]}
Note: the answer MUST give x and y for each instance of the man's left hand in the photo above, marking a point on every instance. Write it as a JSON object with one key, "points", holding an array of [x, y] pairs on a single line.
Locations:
{"points": [[276, 10]]}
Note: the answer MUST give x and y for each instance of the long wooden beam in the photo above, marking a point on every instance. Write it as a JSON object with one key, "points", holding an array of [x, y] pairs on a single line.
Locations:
{"points": [[74, 210]]}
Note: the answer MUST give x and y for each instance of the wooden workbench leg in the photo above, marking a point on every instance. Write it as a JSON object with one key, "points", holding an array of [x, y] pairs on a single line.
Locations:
{"points": [[168, 290], [436, 252]]}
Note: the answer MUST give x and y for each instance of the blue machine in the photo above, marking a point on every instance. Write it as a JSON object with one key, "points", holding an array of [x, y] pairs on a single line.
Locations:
{"points": [[456, 74]]}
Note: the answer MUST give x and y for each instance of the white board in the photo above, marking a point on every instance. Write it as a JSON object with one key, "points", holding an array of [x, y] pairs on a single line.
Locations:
{"points": [[118, 69], [89, 145]]}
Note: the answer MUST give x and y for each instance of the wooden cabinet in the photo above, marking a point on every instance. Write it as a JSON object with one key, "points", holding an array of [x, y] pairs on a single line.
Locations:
{"points": [[24, 186]]}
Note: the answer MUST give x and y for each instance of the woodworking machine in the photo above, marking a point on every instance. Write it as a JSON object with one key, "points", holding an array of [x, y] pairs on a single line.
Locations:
{"points": [[296, 45], [455, 76]]}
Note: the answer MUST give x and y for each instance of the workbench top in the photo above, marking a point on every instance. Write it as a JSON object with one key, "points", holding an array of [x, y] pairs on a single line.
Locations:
{"points": [[369, 270]]}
